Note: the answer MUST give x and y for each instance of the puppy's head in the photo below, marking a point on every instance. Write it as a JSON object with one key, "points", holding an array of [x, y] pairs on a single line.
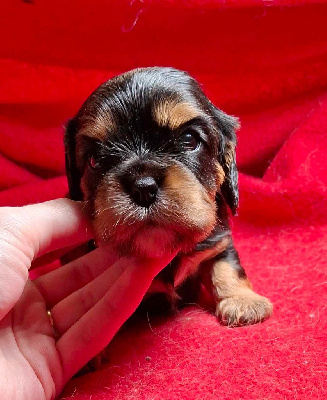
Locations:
{"points": [[150, 153]]}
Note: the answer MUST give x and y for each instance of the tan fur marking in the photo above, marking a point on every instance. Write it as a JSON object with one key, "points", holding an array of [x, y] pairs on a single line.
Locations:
{"points": [[220, 175], [237, 304], [173, 115], [226, 281], [97, 128], [194, 203], [107, 214]]}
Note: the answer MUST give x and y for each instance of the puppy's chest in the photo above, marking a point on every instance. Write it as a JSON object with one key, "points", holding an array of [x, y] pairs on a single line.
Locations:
{"points": [[181, 280], [164, 293]]}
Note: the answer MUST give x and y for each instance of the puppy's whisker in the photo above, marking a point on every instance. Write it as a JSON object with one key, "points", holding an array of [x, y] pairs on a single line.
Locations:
{"points": [[101, 211], [166, 146], [85, 204]]}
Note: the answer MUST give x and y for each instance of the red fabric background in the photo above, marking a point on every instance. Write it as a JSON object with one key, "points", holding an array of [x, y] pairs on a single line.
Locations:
{"points": [[265, 61]]}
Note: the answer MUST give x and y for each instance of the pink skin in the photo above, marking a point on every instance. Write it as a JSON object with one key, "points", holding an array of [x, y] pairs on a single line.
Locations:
{"points": [[88, 301]]}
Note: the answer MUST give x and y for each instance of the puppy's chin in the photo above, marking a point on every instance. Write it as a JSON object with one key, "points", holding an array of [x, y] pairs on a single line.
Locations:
{"points": [[148, 241], [154, 242]]}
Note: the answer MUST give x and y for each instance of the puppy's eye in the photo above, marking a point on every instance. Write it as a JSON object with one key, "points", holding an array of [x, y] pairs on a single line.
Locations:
{"points": [[190, 141], [93, 163]]}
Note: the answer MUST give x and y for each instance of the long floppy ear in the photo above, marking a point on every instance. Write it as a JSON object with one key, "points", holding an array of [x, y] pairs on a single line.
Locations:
{"points": [[227, 126], [73, 174]]}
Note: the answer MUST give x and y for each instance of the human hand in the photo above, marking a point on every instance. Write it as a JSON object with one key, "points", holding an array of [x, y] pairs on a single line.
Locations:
{"points": [[88, 301]]}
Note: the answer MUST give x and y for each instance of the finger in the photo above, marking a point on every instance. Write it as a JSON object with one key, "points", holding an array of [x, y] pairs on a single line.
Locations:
{"points": [[48, 258], [56, 224], [68, 311], [41, 228], [94, 330], [60, 283]]}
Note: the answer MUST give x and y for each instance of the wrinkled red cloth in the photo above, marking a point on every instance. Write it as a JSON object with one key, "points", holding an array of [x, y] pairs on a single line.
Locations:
{"points": [[265, 61]]}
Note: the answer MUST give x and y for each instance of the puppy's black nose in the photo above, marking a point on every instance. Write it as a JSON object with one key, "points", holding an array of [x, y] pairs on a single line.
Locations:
{"points": [[144, 191]]}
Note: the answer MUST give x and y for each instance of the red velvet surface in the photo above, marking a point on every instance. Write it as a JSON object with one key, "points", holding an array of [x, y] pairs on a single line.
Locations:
{"points": [[265, 61]]}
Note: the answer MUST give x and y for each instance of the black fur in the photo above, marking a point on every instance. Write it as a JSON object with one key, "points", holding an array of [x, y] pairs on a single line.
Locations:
{"points": [[72, 172]]}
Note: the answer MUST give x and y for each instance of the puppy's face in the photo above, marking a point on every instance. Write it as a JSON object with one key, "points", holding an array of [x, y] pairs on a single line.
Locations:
{"points": [[150, 154]]}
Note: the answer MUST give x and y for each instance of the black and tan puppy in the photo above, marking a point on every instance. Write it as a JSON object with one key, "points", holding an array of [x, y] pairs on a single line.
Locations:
{"points": [[155, 159]]}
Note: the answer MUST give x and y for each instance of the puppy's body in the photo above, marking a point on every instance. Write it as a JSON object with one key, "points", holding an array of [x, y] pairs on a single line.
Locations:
{"points": [[155, 160]]}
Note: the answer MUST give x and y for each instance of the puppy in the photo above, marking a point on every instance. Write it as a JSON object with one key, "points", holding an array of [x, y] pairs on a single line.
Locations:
{"points": [[155, 160]]}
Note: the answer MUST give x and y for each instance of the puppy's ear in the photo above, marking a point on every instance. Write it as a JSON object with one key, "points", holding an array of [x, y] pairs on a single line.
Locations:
{"points": [[73, 174], [227, 126]]}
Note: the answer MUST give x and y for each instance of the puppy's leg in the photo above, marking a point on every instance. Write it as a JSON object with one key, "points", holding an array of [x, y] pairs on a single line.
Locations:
{"points": [[237, 303]]}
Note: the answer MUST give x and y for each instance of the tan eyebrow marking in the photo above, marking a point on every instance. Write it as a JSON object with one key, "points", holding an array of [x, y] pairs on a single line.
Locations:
{"points": [[97, 128], [172, 115]]}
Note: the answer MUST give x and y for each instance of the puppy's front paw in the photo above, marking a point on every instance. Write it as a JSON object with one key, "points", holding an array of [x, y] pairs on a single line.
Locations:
{"points": [[245, 308]]}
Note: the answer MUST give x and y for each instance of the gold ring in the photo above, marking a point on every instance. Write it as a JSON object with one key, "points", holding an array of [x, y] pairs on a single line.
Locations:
{"points": [[52, 323]]}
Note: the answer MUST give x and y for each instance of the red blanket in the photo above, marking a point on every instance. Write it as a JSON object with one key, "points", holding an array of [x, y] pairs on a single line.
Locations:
{"points": [[265, 61]]}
